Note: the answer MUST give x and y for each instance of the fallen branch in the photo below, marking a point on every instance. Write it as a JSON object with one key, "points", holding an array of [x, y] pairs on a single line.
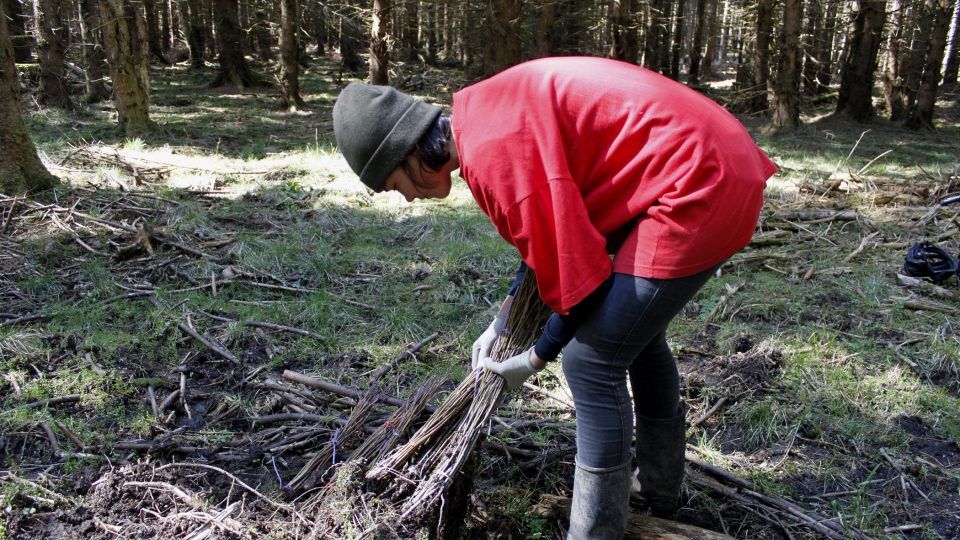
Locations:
{"points": [[319, 384], [409, 353], [73, 398]]}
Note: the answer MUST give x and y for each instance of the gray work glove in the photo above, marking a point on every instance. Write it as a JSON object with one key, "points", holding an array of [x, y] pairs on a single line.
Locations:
{"points": [[514, 370], [483, 346]]}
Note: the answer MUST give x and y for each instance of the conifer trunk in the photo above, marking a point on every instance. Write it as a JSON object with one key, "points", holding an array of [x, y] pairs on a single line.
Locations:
{"points": [[233, 66], [922, 115], [379, 45], [696, 51], [196, 35], [786, 107], [289, 52], [52, 47], [20, 168], [124, 38], [17, 28], [860, 62], [95, 60], [952, 63]]}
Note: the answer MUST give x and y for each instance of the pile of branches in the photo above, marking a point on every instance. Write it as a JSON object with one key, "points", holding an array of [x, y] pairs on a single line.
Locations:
{"points": [[429, 477]]}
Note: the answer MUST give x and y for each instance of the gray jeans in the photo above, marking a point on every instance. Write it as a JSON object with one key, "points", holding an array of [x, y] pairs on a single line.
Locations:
{"points": [[625, 335]]}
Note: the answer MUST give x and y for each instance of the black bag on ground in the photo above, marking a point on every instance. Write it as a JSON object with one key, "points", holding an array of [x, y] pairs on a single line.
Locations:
{"points": [[925, 260]]}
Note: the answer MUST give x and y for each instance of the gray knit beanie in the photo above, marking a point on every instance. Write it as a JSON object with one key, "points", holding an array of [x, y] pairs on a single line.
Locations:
{"points": [[377, 127]]}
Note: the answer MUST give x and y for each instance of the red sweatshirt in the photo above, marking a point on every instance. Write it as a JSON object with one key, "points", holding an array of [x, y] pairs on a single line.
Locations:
{"points": [[565, 153]]}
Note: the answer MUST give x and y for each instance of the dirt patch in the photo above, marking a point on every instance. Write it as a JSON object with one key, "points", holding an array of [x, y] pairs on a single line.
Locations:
{"points": [[142, 501]]}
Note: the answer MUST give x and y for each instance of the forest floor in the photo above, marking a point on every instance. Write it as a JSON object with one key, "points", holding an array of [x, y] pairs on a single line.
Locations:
{"points": [[143, 382]]}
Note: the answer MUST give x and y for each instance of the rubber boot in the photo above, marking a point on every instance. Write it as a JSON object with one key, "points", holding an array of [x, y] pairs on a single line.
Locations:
{"points": [[661, 443], [601, 498]]}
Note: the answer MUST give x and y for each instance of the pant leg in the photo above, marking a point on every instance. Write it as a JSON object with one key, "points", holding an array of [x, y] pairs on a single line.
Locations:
{"points": [[655, 380], [635, 312]]}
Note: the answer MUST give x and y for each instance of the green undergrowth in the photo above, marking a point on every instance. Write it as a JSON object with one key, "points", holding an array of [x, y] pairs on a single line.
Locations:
{"points": [[828, 376]]}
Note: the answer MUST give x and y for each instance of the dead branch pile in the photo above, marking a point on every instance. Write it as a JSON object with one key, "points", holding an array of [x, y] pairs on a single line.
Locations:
{"points": [[415, 480]]}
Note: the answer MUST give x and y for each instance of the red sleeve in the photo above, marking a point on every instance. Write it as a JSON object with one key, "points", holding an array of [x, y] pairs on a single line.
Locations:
{"points": [[553, 233]]}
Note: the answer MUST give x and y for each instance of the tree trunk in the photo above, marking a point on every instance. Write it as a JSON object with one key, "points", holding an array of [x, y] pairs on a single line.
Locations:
{"points": [[17, 27], [379, 46], [543, 45], [411, 30], [892, 91], [349, 45], [825, 49], [922, 115], [153, 31], [319, 25], [856, 81], [952, 63], [94, 58], [233, 66], [712, 37], [430, 12], [197, 36], [677, 40], [786, 106], [502, 48], [811, 53], [124, 40], [20, 168], [663, 54], [165, 26], [696, 51], [262, 36], [654, 35], [289, 52], [52, 47], [758, 100]]}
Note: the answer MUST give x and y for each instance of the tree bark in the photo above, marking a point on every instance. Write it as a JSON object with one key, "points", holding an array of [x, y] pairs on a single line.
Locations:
{"points": [[349, 45], [503, 47], [17, 27], [233, 66], [860, 63], [411, 29], [713, 38], [197, 35], [922, 115], [759, 101], [52, 47], [124, 40], [952, 62], [165, 26], [678, 21], [20, 168], [811, 52], [825, 50], [262, 36], [911, 69], [379, 44], [94, 58], [892, 91], [786, 90], [289, 52], [543, 45], [153, 31], [696, 51]]}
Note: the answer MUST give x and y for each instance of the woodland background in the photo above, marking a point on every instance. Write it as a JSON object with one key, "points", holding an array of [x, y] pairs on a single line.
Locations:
{"points": [[186, 264]]}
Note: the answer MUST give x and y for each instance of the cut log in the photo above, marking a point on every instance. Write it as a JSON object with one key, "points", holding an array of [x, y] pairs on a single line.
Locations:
{"points": [[638, 525]]}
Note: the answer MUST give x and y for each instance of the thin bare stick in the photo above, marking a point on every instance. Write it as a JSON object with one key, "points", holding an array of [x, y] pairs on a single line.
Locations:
{"points": [[409, 353], [73, 398], [710, 412]]}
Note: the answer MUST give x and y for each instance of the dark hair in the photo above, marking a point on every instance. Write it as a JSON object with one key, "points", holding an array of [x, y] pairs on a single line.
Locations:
{"points": [[432, 147]]}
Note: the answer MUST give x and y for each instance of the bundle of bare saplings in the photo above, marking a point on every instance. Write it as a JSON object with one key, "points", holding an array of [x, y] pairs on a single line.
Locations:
{"points": [[384, 490]]}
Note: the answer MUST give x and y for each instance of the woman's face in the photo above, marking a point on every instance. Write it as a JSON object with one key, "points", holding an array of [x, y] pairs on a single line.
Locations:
{"points": [[414, 181]]}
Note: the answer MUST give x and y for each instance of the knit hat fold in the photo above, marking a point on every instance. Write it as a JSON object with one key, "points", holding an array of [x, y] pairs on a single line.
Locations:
{"points": [[377, 127]]}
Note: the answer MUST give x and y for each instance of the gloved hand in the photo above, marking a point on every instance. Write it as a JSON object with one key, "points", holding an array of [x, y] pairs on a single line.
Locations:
{"points": [[514, 370], [483, 346]]}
